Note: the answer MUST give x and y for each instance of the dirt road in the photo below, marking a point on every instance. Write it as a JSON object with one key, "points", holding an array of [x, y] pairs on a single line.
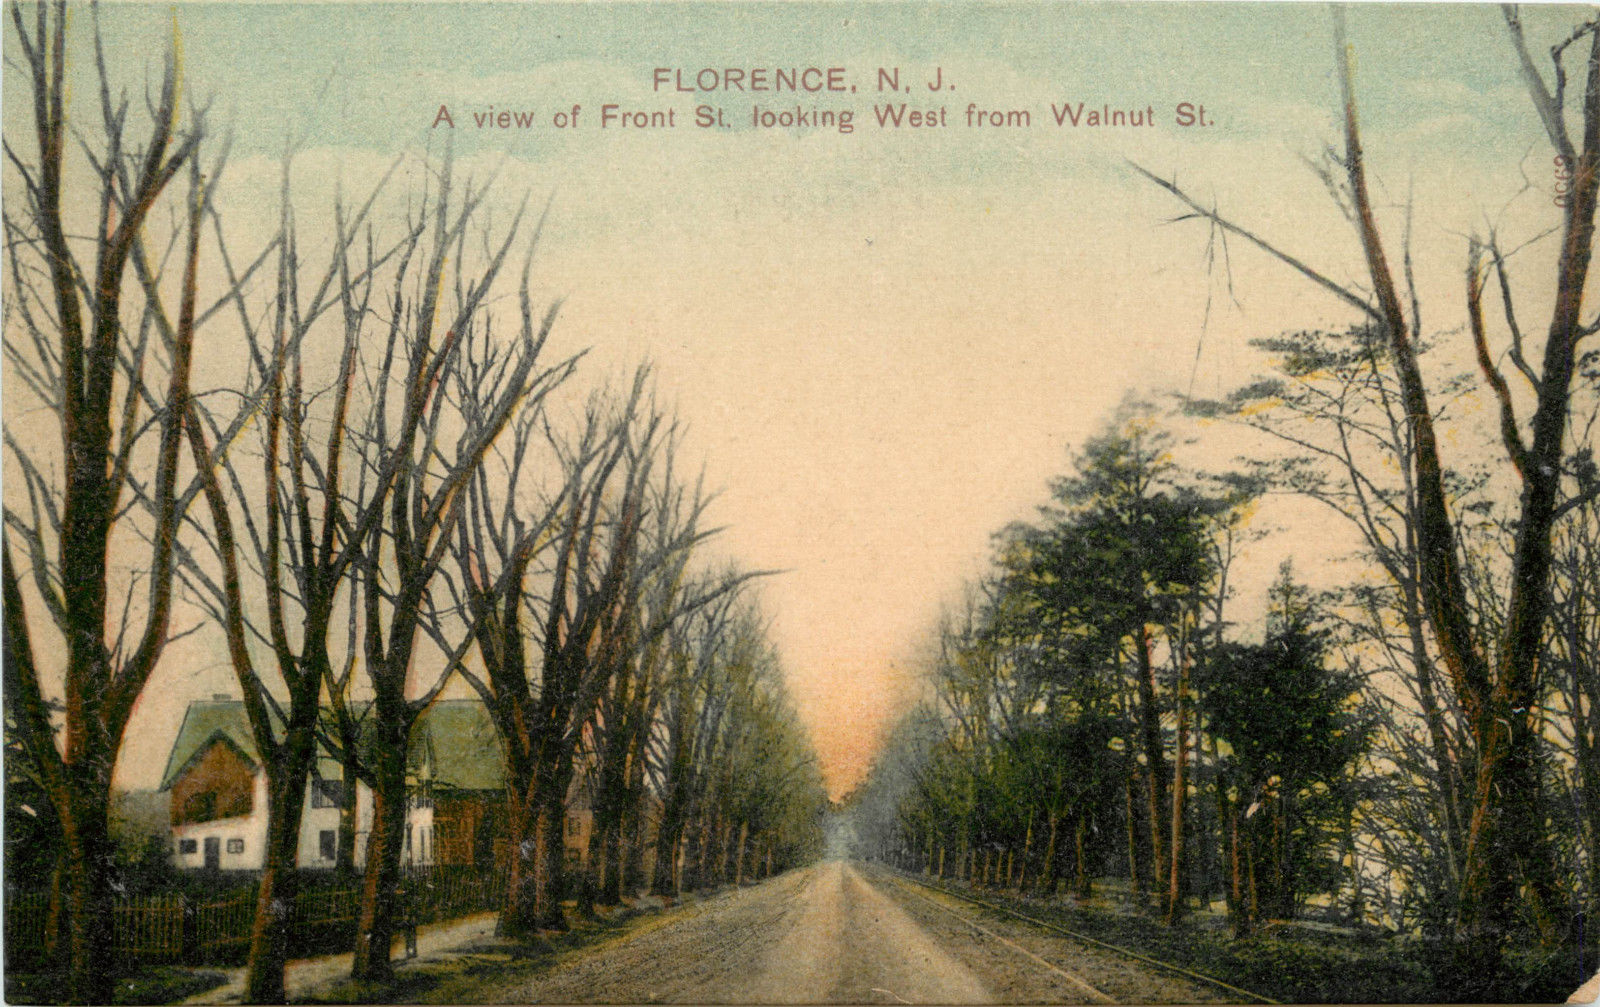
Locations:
{"points": [[834, 933]]}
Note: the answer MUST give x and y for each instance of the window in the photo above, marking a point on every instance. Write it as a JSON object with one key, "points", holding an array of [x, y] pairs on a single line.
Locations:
{"points": [[327, 793], [236, 846], [188, 846], [328, 844]]}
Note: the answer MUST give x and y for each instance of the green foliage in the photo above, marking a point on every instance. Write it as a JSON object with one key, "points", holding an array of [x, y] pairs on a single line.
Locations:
{"points": [[1283, 711], [1289, 719]]}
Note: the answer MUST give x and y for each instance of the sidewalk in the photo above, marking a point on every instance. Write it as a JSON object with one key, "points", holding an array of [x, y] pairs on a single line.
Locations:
{"points": [[305, 975]]}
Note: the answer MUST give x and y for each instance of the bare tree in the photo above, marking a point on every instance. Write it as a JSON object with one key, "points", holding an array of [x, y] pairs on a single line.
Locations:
{"points": [[433, 452], [294, 530], [587, 538], [661, 594], [90, 352], [1506, 865], [691, 714]]}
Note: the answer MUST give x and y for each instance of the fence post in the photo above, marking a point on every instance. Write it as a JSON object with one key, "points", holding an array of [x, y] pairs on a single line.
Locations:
{"points": [[190, 949]]}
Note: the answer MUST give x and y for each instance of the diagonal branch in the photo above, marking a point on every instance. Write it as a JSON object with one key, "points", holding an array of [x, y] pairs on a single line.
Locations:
{"points": [[1546, 104], [1343, 293], [1509, 433]]}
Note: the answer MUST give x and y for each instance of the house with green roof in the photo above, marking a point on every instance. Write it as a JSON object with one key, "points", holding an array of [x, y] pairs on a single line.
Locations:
{"points": [[218, 792]]}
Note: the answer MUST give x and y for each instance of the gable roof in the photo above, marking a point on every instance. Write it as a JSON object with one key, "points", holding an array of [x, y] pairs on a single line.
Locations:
{"points": [[203, 723], [216, 738], [457, 733], [467, 753]]}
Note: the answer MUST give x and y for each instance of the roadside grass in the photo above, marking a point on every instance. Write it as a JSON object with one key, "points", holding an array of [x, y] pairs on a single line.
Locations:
{"points": [[464, 974], [152, 984], [1295, 965]]}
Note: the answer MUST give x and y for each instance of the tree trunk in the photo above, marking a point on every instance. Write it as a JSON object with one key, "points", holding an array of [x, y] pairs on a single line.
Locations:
{"points": [[725, 851], [1282, 902], [612, 853], [519, 911], [1131, 817], [57, 936], [1500, 852], [381, 880], [345, 862], [1240, 905], [1084, 876], [633, 872], [706, 868], [738, 863], [269, 930], [536, 861], [1176, 896], [1156, 762], [690, 877], [1217, 844], [1448, 773], [669, 834], [91, 976], [1357, 909], [591, 871], [551, 847], [1584, 729], [1051, 855], [1252, 901], [1024, 871]]}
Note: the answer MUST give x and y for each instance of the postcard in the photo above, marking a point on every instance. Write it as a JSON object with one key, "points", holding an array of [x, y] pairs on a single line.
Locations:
{"points": [[522, 502]]}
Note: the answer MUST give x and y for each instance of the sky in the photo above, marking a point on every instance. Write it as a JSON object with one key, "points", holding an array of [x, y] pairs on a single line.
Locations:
{"points": [[885, 341]]}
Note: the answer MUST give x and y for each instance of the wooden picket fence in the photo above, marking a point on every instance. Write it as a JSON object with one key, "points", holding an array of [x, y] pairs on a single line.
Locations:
{"points": [[442, 893], [172, 927], [220, 931], [26, 918], [149, 929]]}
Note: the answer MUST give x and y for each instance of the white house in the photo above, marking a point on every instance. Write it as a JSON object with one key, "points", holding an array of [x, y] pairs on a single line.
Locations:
{"points": [[219, 791]]}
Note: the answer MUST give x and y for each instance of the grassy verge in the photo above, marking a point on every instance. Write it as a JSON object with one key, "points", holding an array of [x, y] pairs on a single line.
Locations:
{"points": [[155, 984], [1297, 966], [465, 974]]}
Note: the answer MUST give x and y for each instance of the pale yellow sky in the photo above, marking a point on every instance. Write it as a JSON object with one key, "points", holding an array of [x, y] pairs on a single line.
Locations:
{"points": [[885, 343]]}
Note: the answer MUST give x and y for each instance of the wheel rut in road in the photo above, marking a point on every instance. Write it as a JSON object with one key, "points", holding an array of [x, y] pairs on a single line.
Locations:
{"points": [[826, 934], [850, 943], [822, 935]]}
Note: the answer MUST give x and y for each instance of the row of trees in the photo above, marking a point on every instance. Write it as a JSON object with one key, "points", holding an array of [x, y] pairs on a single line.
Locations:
{"points": [[1091, 714], [390, 491], [1093, 710], [1445, 723]]}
